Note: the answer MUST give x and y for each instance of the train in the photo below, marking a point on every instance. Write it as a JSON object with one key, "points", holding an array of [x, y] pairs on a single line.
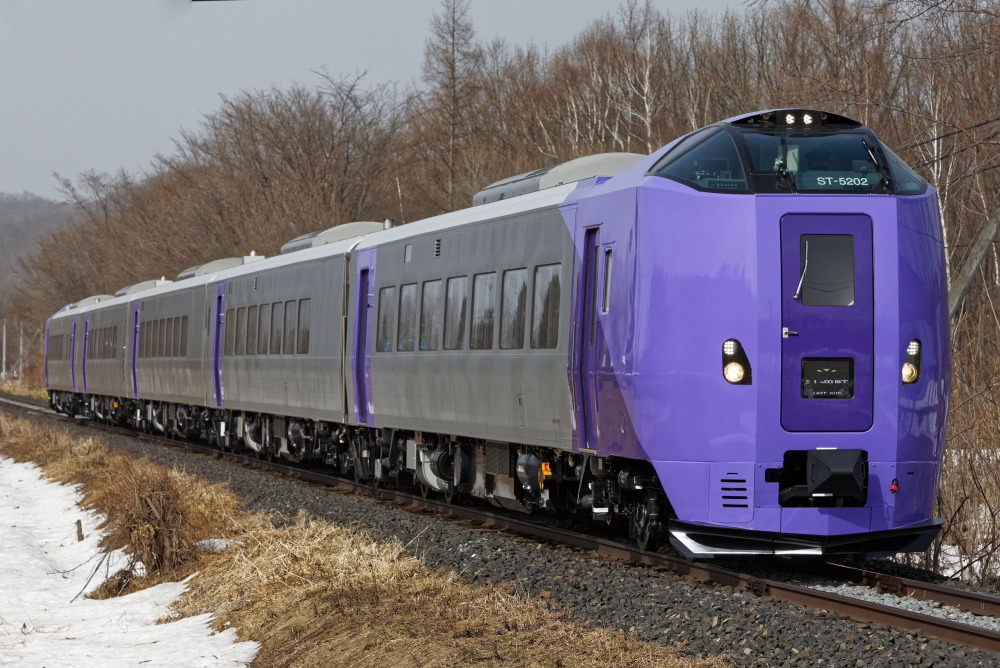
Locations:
{"points": [[738, 343]]}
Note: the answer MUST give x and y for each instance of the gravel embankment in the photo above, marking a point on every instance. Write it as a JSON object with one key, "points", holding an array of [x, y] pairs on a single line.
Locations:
{"points": [[751, 630]]}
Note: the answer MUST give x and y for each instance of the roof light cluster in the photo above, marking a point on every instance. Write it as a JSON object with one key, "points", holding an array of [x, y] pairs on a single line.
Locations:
{"points": [[791, 118], [796, 118]]}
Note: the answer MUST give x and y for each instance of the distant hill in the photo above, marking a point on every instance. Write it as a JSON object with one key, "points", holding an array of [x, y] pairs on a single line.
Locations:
{"points": [[24, 219]]}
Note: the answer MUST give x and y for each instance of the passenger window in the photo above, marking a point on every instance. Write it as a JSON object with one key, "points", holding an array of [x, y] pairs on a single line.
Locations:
{"points": [[177, 337], [302, 347], [545, 307], [826, 263], [454, 313], [606, 298], [251, 330], [161, 338], [291, 315], [230, 331], [430, 316], [241, 329], [407, 331], [514, 304], [386, 318], [277, 322], [263, 328], [483, 311]]}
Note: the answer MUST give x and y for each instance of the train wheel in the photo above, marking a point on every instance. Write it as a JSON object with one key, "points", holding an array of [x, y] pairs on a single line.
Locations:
{"points": [[425, 490], [646, 527], [649, 538]]}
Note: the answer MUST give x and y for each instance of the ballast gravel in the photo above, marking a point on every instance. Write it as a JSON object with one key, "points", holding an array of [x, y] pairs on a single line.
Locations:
{"points": [[655, 606]]}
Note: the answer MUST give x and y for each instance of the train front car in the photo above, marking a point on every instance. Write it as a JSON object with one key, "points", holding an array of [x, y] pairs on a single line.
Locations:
{"points": [[781, 345]]}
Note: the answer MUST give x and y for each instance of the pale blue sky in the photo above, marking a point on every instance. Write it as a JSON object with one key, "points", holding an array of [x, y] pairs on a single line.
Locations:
{"points": [[107, 84]]}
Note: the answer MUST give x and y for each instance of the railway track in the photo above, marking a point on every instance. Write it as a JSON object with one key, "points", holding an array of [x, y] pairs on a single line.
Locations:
{"points": [[931, 626]]}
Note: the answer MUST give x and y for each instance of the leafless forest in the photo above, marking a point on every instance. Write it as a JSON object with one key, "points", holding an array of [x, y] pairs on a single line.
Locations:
{"points": [[270, 165]]}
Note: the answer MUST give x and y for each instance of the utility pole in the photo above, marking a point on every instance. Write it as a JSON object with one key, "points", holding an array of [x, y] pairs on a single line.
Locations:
{"points": [[20, 352], [3, 375]]}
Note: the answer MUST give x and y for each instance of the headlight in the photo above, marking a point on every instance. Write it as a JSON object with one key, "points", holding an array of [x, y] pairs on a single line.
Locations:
{"points": [[734, 372], [735, 364], [911, 365]]}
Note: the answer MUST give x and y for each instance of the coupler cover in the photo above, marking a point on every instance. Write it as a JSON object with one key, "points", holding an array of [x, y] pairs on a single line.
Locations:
{"points": [[822, 477], [837, 473]]}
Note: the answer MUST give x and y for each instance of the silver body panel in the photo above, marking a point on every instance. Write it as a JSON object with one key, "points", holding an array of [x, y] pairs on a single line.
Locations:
{"points": [[519, 396]]}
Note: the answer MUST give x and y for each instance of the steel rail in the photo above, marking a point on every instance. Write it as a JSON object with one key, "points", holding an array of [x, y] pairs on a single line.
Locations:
{"points": [[851, 608], [976, 603]]}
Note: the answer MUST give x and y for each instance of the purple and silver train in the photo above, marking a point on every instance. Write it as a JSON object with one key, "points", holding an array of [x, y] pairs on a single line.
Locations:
{"points": [[739, 342]]}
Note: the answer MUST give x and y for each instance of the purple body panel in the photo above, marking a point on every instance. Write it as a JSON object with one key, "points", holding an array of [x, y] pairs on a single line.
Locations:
{"points": [[840, 332], [700, 268], [45, 356], [83, 354], [363, 333], [591, 343], [136, 307], [217, 343], [604, 234], [72, 356]]}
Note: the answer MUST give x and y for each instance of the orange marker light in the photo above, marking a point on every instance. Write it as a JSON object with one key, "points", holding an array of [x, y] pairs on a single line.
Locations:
{"points": [[894, 487]]}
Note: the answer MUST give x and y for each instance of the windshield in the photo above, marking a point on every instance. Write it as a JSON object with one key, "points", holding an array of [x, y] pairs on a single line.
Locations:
{"points": [[760, 156], [707, 160], [817, 162]]}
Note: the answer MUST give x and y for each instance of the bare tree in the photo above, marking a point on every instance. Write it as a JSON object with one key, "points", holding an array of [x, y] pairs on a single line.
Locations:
{"points": [[451, 66]]}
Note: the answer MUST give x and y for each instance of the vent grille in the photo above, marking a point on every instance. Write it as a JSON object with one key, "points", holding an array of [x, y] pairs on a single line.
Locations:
{"points": [[437, 248], [734, 491], [497, 459], [255, 280]]}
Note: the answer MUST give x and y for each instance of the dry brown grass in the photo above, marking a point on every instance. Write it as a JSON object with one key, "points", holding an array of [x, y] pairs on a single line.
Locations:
{"points": [[26, 390], [351, 601], [311, 593]]}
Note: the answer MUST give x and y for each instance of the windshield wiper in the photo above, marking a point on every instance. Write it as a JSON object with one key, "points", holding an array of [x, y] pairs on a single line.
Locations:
{"points": [[785, 178], [887, 182], [805, 267]]}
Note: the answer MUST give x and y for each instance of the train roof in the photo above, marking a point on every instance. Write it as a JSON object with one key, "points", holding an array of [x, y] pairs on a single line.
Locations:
{"points": [[580, 169], [331, 235], [541, 199]]}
